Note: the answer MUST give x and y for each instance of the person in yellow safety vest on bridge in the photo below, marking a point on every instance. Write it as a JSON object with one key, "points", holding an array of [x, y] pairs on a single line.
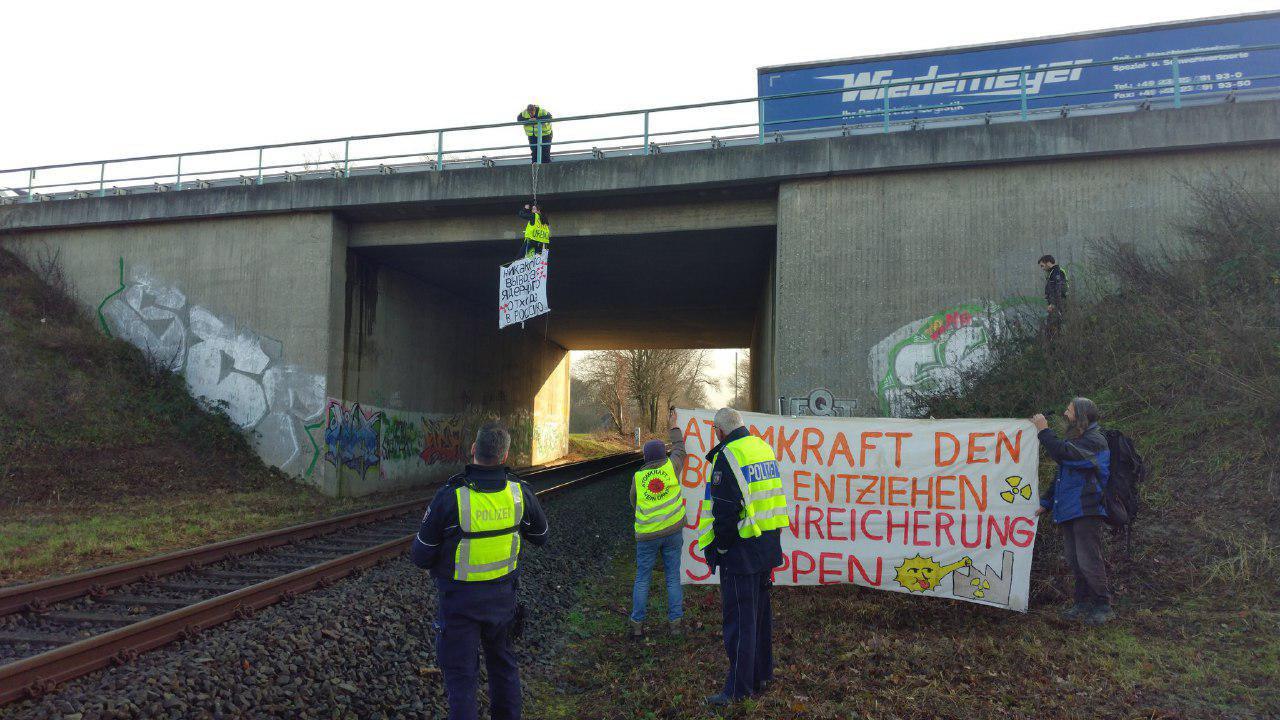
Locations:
{"points": [[537, 231], [537, 125], [739, 533], [470, 540], [657, 498]]}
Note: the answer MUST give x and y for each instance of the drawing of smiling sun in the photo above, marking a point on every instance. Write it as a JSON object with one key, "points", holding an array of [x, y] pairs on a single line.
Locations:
{"points": [[919, 574]]}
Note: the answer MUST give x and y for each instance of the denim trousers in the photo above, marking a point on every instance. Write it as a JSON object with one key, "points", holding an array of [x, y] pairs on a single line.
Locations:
{"points": [[647, 552]]}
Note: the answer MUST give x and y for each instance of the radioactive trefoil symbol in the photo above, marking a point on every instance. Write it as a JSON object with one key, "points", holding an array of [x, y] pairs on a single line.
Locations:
{"points": [[982, 586], [1016, 488]]}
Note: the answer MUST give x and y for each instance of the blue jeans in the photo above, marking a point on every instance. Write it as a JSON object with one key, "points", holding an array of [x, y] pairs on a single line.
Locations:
{"points": [[646, 556]]}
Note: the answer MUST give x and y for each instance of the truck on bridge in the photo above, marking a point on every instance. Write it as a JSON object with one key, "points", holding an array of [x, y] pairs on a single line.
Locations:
{"points": [[1093, 72]]}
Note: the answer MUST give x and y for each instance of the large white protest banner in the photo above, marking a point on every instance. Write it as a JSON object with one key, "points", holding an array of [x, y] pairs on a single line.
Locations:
{"points": [[522, 290], [940, 508]]}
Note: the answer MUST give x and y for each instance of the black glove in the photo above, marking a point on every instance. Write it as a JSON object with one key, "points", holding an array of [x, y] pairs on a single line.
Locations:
{"points": [[517, 624]]}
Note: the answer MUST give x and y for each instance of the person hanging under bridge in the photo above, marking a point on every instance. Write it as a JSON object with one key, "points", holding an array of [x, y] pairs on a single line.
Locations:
{"points": [[537, 231], [537, 125]]}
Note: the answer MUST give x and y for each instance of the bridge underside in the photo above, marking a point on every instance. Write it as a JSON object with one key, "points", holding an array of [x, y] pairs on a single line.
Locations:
{"points": [[697, 289]]}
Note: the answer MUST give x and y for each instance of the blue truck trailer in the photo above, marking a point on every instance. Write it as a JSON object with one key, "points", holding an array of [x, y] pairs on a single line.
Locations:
{"points": [[1193, 61]]}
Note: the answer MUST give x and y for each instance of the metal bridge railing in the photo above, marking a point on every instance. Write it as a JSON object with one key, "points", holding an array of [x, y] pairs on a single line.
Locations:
{"points": [[722, 123]]}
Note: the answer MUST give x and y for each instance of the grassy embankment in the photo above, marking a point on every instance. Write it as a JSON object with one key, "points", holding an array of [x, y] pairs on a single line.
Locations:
{"points": [[1182, 352], [105, 457], [589, 445]]}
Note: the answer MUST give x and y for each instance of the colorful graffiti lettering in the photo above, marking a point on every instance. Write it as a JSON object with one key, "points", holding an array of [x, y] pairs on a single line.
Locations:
{"points": [[442, 441], [227, 364], [401, 438], [353, 437], [932, 353]]}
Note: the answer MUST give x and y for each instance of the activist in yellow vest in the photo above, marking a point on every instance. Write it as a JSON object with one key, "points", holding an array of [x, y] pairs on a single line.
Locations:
{"points": [[490, 524], [764, 504], [659, 502], [537, 236], [532, 127]]}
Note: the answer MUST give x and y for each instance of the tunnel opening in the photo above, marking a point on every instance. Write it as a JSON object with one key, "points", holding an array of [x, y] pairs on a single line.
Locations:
{"points": [[422, 341]]}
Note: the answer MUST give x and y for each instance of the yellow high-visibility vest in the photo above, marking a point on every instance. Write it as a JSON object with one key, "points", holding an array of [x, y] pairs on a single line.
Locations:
{"points": [[764, 504], [532, 128], [490, 524], [659, 503], [537, 231]]}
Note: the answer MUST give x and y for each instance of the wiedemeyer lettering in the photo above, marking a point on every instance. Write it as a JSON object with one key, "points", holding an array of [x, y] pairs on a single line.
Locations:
{"points": [[974, 82]]}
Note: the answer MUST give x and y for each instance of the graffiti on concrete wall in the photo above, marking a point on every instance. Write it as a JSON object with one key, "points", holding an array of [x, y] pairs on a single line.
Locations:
{"points": [[353, 437], [821, 402], [442, 441], [401, 438], [361, 438], [549, 440], [932, 353], [229, 365]]}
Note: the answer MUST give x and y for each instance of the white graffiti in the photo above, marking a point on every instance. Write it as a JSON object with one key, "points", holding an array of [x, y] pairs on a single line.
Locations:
{"points": [[231, 367], [933, 353]]}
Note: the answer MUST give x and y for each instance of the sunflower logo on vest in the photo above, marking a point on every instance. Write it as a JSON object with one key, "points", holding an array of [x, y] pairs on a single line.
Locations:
{"points": [[656, 486], [1016, 488]]}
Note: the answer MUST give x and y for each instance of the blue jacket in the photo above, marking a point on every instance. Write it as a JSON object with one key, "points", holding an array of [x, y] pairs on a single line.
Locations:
{"points": [[729, 552], [1084, 468], [437, 539]]}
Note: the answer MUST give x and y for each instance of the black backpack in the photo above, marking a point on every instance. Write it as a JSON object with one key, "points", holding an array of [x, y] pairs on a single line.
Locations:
{"points": [[1128, 470]]}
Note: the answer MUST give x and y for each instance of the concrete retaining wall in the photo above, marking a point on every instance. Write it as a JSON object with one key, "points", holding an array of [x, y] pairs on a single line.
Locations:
{"points": [[888, 281], [241, 307]]}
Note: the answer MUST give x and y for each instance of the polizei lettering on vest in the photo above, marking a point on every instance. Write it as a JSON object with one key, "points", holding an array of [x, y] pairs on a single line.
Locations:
{"points": [[761, 471], [491, 514]]}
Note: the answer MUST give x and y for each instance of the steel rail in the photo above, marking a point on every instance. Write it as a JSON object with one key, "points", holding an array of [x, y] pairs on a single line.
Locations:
{"points": [[38, 595], [36, 675]]}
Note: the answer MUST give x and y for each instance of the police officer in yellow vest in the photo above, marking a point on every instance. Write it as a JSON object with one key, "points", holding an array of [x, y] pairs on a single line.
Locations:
{"points": [[537, 231], [537, 125], [659, 522], [470, 540], [739, 533]]}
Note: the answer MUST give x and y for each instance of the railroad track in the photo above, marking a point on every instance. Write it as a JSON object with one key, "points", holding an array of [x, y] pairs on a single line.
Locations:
{"points": [[59, 629]]}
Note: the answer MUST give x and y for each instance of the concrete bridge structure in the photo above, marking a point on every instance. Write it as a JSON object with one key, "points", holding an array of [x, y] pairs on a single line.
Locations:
{"points": [[349, 323]]}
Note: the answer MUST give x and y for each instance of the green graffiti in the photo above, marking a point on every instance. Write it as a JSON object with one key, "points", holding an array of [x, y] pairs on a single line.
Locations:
{"points": [[102, 320], [315, 447], [940, 346], [401, 438]]}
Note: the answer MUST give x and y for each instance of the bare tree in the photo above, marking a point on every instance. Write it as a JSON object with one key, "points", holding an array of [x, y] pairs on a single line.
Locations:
{"points": [[605, 373], [641, 384], [741, 381]]}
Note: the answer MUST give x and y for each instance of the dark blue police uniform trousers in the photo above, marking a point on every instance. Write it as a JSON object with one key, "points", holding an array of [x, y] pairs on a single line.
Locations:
{"points": [[748, 631], [474, 615]]}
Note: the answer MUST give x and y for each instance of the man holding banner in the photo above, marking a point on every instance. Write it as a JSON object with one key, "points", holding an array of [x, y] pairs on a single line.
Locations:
{"points": [[743, 512]]}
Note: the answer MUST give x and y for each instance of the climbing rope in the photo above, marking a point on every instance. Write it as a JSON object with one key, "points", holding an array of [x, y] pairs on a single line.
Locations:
{"points": [[533, 170]]}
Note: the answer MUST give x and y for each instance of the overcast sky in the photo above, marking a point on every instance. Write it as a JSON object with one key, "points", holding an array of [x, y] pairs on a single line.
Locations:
{"points": [[93, 80], [88, 80]]}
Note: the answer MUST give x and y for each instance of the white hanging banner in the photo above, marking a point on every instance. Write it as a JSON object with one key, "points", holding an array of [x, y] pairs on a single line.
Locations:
{"points": [[522, 290], [934, 508]]}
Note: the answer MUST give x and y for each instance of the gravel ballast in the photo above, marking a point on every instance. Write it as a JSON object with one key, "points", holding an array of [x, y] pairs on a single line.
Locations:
{"points": [[363, 648]]}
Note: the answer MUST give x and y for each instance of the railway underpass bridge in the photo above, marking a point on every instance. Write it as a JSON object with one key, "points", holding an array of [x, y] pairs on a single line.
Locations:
{"points": [[350, 323]]}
